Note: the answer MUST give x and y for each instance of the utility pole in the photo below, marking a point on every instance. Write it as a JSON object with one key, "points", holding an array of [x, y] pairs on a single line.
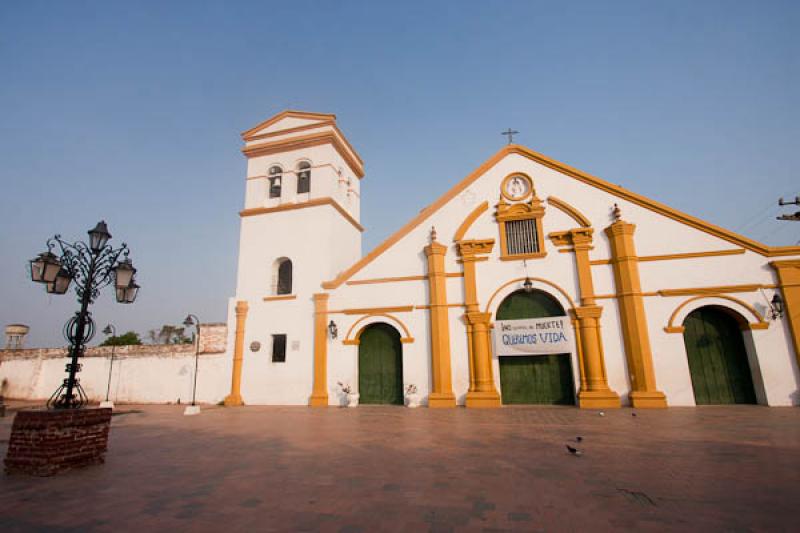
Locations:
{"points": [[796, 215]]}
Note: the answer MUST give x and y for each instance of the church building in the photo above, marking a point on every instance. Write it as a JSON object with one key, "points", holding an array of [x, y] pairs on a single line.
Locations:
{"points": [[528, 282]]}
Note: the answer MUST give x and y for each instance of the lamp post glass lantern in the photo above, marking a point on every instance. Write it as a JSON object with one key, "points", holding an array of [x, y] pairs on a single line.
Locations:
{"points": [[776, 306], [92, 267], [528, 285], [44, 267], [192, 320], [127, 294], [99, 236]]}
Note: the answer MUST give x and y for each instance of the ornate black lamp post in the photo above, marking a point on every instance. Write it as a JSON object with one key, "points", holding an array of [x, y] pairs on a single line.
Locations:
{"points": [[192, 320], [110, 330], [92, 266]]}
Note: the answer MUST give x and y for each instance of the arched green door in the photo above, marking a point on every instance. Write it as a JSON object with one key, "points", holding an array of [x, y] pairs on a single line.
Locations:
{"points": [[540, 379], [717, 358], [380, 365]]}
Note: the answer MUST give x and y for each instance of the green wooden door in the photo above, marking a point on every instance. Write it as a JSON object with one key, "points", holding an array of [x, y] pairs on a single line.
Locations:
{"points": [[542, 379], [380, 365], [717, 358]]}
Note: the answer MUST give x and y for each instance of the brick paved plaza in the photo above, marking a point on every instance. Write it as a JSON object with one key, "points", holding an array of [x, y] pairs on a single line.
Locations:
{"points": [[395, 469]]}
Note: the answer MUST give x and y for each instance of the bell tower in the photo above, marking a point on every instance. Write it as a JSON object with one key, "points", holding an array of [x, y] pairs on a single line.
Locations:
{"points": [[302, 202], [299, 227]]}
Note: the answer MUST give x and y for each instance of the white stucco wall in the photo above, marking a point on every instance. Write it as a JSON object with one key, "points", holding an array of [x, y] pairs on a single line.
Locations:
{"points": [[146, 374], [771, 354], [295, 234]]}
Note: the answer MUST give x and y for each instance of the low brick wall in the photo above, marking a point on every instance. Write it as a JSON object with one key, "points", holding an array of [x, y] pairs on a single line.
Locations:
{"points": [[44, 443]]}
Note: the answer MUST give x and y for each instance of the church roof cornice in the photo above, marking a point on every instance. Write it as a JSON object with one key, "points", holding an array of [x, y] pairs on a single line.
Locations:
{"points": [[615, 190]]}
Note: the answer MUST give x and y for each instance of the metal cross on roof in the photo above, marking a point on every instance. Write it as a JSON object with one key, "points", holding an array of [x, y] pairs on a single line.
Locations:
{"points": [[510, 134]]}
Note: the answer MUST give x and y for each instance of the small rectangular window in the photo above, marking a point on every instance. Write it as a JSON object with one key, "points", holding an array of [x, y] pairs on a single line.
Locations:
{"points": [[521, 236], [279, 348]]}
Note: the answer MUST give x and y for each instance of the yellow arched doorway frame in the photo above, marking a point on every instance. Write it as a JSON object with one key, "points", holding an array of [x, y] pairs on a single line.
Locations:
{"points": [[759, 322], [350, 340], [570, 308]]}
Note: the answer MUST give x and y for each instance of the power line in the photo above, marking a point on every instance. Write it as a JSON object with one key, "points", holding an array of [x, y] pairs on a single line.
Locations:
{"points": [[772, 232], [759, 218]]}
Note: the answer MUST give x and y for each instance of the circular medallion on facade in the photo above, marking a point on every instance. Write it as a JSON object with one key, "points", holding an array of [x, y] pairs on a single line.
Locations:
{"points": [[516, 187], [255, 346]]}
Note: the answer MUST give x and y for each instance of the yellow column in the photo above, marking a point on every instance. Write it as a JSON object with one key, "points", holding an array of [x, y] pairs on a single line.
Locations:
{"points": [[594, 392], [581, 240], [632, 316], [319, 395], [442, 383], [789, 279], [482, 392], [235, 397]]}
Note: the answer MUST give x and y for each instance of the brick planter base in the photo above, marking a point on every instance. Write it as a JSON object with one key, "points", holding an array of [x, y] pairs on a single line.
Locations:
{"points": [[44, 443]]}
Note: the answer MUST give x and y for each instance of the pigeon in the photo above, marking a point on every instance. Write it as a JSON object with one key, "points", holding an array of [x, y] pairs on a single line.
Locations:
{"points": [[573, 451], [578, 439]]}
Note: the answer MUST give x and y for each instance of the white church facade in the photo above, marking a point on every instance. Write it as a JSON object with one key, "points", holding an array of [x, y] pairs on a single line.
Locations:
{"points": [[656, 307]]}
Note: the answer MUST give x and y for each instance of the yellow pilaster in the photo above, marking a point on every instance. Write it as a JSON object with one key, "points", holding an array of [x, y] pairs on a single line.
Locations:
{"points": [[442, 382], [482, 392], [581, 240], [632, 317], [235, 397], [594, 392], [319, 394], [789, 280]]}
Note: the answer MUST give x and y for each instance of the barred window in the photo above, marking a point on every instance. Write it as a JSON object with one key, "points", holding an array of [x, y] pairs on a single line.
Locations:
{"points": [[521, 236]]}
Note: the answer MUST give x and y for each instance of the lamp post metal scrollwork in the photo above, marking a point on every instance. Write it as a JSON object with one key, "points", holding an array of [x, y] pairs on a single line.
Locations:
{"points": [[92, 266]]}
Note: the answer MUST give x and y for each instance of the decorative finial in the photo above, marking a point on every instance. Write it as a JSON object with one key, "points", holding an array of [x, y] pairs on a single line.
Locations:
{"points": [[616, 213], [433, 233]]}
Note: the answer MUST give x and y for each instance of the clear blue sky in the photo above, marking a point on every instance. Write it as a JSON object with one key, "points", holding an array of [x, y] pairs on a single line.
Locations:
{"points": [[131, 112]]}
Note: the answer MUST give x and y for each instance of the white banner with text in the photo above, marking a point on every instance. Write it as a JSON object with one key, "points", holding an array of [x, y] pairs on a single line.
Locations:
{"points": [[533, 336]]}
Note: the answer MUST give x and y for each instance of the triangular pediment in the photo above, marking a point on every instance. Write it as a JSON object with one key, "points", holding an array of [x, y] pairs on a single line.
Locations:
{"points": [[287, 121], [613, 191]]}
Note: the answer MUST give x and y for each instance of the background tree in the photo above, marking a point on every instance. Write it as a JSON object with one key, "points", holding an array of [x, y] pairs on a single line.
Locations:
{"points": [[126, 339], [169, 335]]}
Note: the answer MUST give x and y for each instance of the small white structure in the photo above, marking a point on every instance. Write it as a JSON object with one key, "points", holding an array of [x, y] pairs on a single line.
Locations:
{"points": [[15, 336], [663, 307]]}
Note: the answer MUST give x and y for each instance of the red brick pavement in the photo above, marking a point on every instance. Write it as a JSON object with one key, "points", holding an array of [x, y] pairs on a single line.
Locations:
{"points": [[395, 469]]}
